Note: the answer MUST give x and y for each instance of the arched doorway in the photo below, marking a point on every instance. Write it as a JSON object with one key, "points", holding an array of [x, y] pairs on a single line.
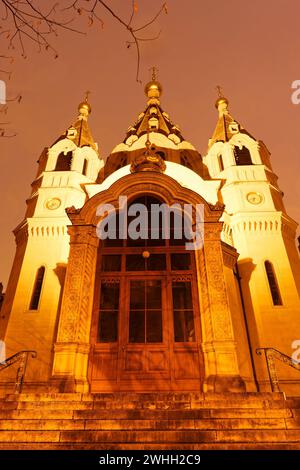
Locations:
{"points": [[145, 332]]}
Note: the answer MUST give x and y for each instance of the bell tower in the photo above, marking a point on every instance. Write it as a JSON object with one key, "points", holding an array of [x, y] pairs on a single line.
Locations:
{"points": [[33, 294], [257, 225]]}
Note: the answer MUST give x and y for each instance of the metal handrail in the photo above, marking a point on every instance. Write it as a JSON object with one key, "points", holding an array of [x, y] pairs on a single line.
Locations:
{"points": [[271, 354], [22, 358]]}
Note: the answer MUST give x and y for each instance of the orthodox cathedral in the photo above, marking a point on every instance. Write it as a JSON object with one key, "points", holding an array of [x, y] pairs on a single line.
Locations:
{"points": [[145, 317]]}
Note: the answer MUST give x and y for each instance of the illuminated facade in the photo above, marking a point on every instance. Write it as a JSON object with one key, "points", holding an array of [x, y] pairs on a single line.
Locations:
{"points": [[149, 315]]}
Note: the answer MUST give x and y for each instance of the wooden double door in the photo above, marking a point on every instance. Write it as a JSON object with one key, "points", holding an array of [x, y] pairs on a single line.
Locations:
{"points": [[145, 333]]}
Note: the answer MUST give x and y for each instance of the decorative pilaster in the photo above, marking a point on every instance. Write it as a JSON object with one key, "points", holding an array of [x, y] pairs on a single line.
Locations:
{"points": [[219, 347], [72, 345]]}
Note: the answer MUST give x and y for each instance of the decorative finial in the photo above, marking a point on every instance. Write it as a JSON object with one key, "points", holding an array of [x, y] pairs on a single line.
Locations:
{"points": [[84, 107], [222, 102], [153, 89]]}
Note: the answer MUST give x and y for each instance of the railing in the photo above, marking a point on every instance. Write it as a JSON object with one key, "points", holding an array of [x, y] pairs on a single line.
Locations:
{"points": [[20, 357], [271, 354]]}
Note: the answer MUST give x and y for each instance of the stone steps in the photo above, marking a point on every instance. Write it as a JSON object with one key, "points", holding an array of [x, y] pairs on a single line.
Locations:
{"points": [[144, 402], [138, 398], [149, 424], [147, 421], [145, 446], [58, 414], [157, 436]]}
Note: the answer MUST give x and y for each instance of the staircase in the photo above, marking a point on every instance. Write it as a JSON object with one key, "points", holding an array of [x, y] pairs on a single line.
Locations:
{"points": [[149, 421]]}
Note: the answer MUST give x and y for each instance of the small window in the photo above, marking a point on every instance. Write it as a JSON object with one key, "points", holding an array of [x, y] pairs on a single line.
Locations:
{"points": [[111, 263], [145, 320], [153, 235], [220, 161], [242, 156], [135, 263], [155, 262], [234, 128], [112, 224], [184, 329], [180, 261], [36, 293], [109, 312], [153, 123], [181, 230], [85, 166], [64, 161], [274, 289]]}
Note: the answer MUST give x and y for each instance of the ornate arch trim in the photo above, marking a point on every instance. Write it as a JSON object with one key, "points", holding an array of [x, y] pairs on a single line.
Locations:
{"points": [[156, 184]]}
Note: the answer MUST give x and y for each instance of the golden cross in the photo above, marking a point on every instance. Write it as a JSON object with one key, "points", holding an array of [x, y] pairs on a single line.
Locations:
{"points": [[87, 93], [219, 90], [154, 72]]}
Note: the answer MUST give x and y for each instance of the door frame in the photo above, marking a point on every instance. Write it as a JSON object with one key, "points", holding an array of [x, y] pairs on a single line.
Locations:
{"points": [[144, 348], [168, 380]]}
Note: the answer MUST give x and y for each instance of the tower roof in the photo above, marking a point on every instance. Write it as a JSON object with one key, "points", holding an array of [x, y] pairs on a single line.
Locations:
{"points": [[226, 126], [79, 132], [154, 118]]}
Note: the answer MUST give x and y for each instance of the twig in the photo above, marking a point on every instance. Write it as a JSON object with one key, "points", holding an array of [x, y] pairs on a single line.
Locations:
{"points": [[28, 21], [136, 40]]}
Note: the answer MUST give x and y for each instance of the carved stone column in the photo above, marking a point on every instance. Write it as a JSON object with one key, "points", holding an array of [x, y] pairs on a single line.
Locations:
{"points": [[218, 345], [71, 350]]}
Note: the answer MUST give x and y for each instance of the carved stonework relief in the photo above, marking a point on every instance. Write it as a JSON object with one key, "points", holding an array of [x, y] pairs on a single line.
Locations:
{"points": [[217, 291], [72, 294], [78, 292]]}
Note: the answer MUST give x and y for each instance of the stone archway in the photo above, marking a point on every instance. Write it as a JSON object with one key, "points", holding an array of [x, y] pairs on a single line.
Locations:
{"points": [[72, 348]]}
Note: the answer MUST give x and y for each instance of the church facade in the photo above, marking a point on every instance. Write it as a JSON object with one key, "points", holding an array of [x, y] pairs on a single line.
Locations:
{"points": [[146, 314]]}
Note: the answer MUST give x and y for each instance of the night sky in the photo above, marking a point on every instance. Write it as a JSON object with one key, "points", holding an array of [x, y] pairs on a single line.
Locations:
{"points": [[251, 49]]}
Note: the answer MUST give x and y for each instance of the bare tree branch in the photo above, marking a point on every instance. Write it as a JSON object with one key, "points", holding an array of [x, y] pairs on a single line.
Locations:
{"points": [[136, 40], [31, 21]]}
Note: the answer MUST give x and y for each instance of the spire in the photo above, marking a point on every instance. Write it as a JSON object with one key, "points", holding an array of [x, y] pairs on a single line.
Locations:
{"points": [[79, 132], [226, 126]]}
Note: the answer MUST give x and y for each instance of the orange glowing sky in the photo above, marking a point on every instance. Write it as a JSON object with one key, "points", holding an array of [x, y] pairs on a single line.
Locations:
{"points": [[251, 48]]}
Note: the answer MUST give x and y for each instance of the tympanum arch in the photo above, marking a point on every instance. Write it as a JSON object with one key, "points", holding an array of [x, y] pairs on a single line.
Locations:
{"points": [[131, 186]]}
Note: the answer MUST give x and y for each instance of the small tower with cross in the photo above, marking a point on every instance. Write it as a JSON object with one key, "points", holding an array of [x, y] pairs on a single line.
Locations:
{"points": [[42, 237]]}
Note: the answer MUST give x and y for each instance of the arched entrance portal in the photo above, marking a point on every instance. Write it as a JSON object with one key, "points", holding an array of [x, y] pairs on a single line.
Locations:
{"points": [[145, 331]]}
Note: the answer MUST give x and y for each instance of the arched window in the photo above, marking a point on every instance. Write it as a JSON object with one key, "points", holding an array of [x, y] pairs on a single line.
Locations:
{"points": [[274, 288], [85, 166], [36, 293], [152, 254], [220, 161], [64, 161], [242, 156]]}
